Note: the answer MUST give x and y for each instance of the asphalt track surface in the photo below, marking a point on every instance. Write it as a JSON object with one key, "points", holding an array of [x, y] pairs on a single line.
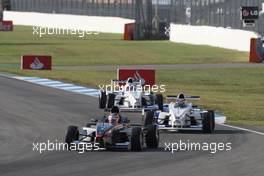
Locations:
{"points": [[31, 113]]}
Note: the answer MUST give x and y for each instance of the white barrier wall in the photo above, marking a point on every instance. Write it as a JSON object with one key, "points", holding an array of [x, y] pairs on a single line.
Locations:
{"points": [[88, 23], [213, 36]]}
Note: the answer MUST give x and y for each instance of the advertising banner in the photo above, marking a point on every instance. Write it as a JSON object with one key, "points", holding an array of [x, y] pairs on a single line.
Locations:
{"points": [[146, 76], [249, 13], [33, 62], [6, 25]]}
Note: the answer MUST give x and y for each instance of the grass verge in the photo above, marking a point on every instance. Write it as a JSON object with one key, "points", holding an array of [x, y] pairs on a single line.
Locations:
{"points": [[107, 49]]}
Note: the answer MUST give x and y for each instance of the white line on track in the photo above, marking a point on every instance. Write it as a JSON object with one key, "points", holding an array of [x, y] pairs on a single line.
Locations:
{"points": [[243, 129]]}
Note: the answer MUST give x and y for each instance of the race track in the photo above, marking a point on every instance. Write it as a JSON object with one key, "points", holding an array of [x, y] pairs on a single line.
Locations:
{"points": [[31, 113]]}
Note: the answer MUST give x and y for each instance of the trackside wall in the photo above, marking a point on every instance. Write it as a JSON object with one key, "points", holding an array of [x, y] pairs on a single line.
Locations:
{"points": [[213, 36], [88, 23]]}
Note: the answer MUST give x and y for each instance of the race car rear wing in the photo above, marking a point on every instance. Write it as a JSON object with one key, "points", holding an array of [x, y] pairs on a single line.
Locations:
{"points": [[173, 97], [115, 81], [130, 109]]}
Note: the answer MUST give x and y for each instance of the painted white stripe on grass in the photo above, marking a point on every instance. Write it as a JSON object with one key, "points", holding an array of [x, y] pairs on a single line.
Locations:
{"points": [[243, 129]]}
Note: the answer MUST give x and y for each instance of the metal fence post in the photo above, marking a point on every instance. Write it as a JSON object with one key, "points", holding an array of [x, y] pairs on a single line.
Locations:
{"points": [[138, 6], [1, 11]]}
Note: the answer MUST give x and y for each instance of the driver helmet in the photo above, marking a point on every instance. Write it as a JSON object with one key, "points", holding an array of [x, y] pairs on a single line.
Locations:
{"points": [[113, 117], [129, 83], [115, 110], [130, 80], [180, 101]]}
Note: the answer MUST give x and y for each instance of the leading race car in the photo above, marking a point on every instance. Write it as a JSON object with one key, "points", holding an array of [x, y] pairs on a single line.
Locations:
{"points": [[114, 132], [180, 115], [130, 97]]}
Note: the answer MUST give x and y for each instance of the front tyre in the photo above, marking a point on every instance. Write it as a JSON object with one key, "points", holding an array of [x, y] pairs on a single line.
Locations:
{"points": [[102, 100], [212, 114], [149, 120], [159, 101], [136, 139], [152, 137], [72, 135], [110, 100], [208, 121]]}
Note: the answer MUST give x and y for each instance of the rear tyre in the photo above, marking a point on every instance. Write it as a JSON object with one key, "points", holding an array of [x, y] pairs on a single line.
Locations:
{"points": [[159, 101], [110, 100], [149, 120], [72, 135], [136, 139], [152, 98], [143, 102], [208, 122], [152, 137], [102, 100], [212, 114]]}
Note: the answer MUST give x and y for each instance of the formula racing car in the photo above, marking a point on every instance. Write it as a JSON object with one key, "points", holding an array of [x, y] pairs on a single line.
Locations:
{"points": [[130, 96], [114, 132], [180, 115]]}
